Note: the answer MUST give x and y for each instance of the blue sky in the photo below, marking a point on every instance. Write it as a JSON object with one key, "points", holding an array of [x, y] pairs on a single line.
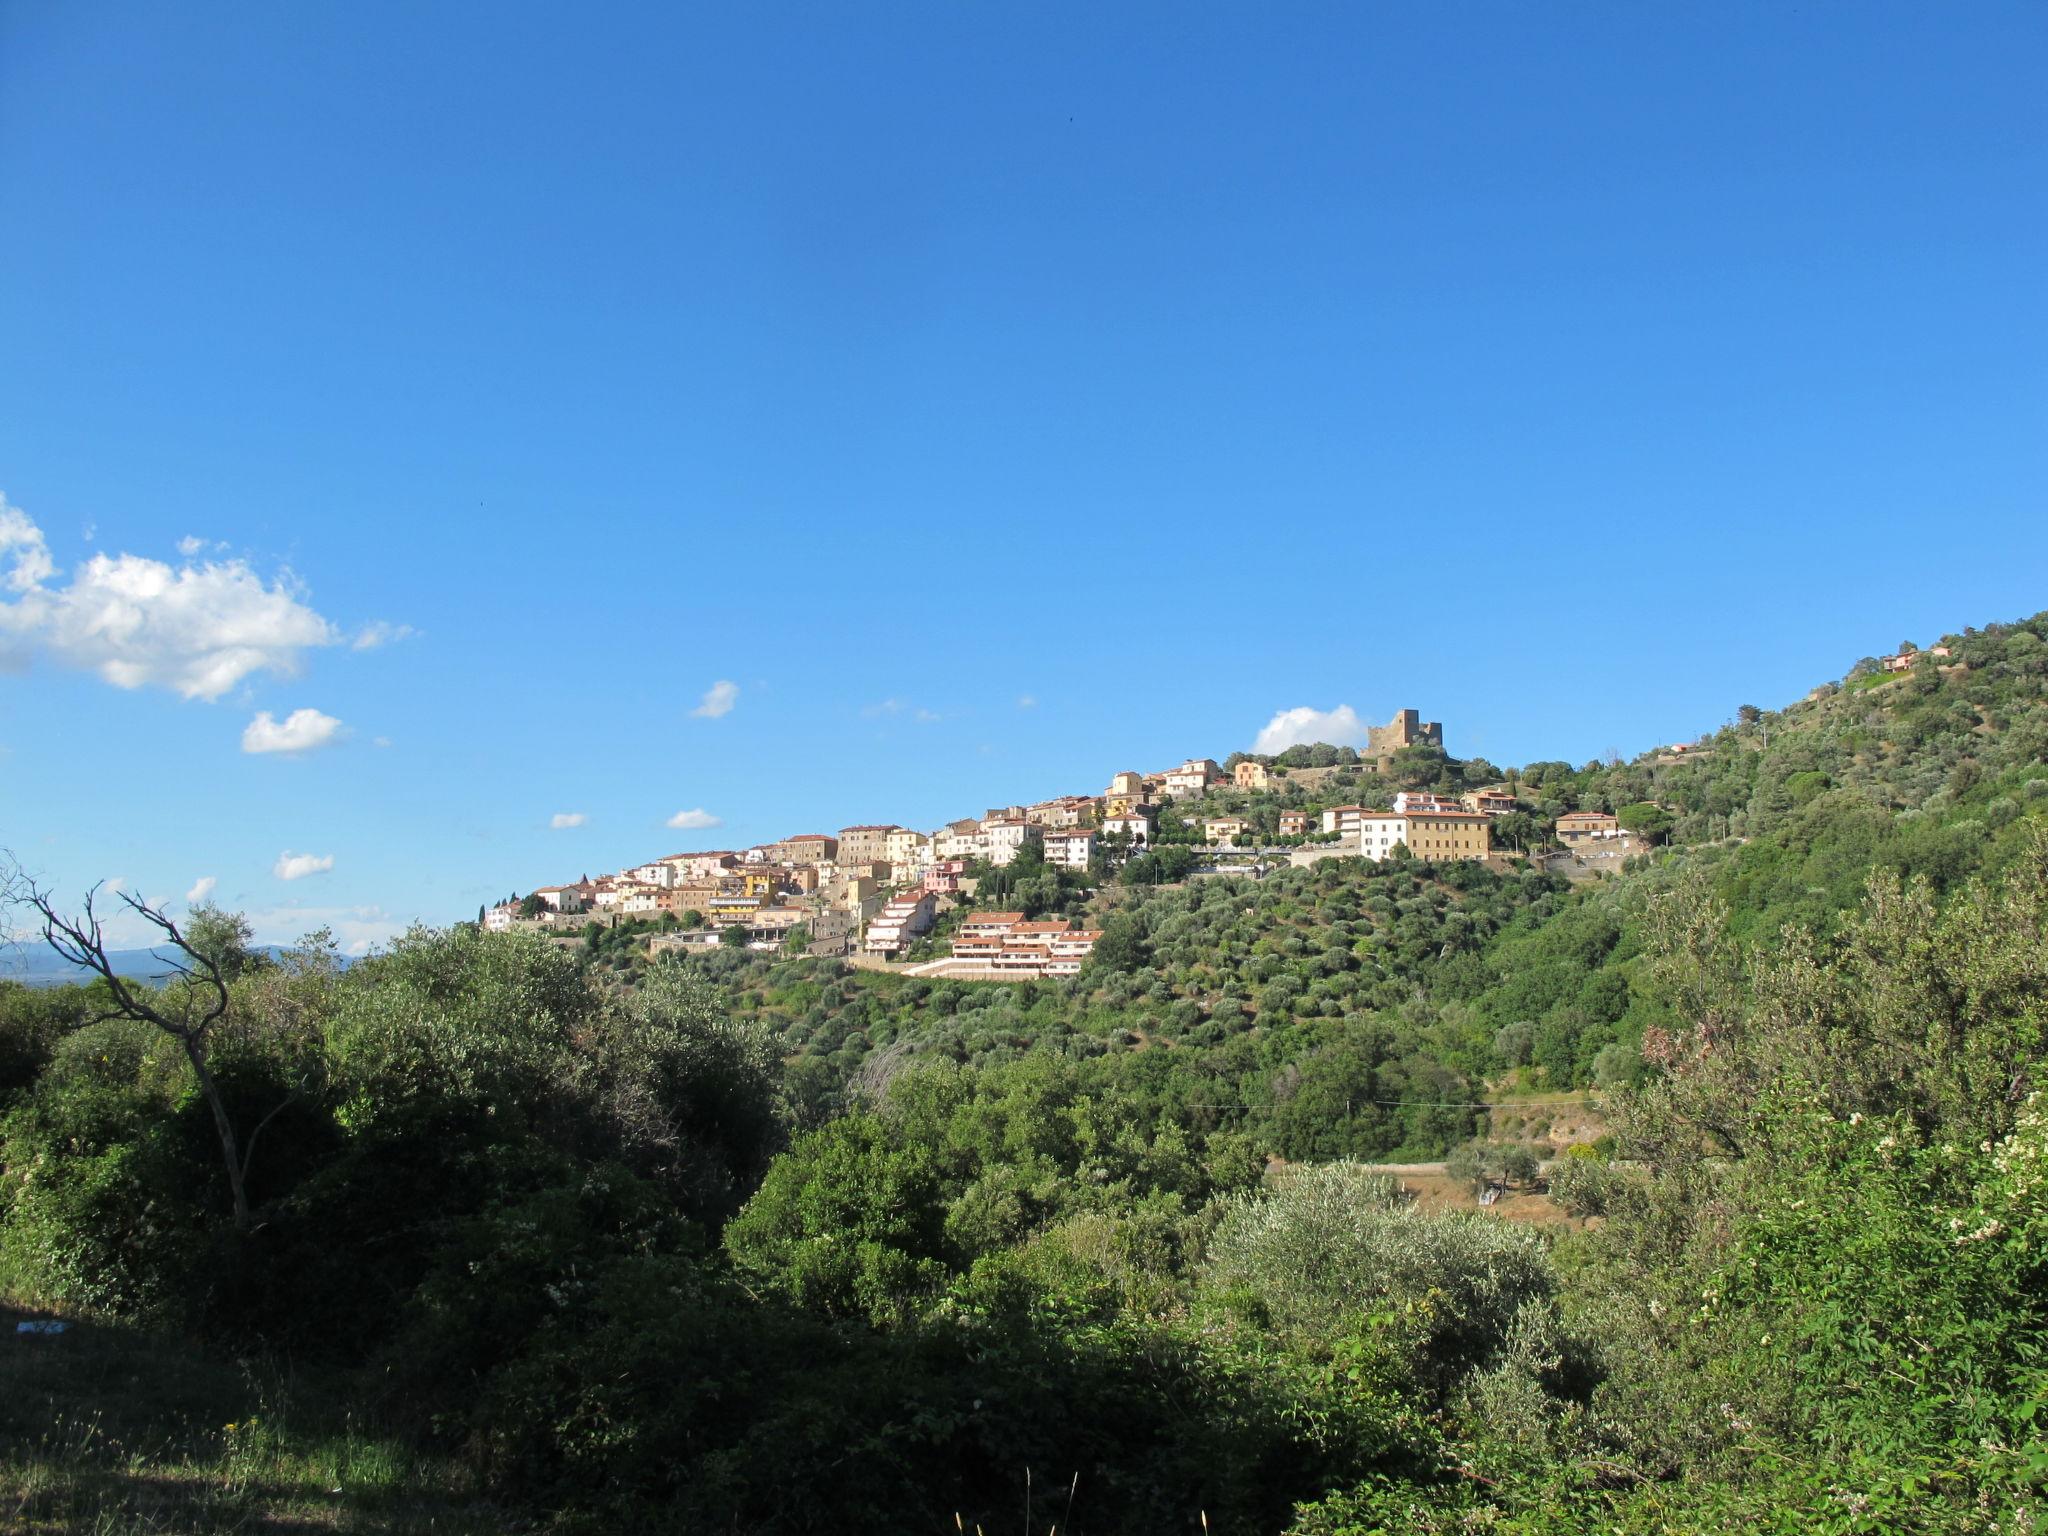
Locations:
{"points": [[493, 380]]}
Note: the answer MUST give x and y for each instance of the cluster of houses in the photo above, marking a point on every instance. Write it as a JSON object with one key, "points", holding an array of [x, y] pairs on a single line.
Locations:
{"points": [[879, 887]]}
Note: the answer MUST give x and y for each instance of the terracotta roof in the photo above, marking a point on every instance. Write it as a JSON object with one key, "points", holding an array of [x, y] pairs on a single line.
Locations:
{"points": [[994, 917]]}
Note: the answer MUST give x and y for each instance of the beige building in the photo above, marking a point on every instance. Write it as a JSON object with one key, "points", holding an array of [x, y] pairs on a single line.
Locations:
{"points": [[908, 851], [1251, 775], [1066, 811], [1583, 826], [1490, 802], [1224, 830], [1294, 823], [864, 845], [805, 848]]}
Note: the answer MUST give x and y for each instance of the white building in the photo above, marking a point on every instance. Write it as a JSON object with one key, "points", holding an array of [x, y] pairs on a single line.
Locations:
{"points": [[898, 923], [1005, 836], [1192, 777], [1410, 801], [1138, 824], [959, 840], [1070, 849]]}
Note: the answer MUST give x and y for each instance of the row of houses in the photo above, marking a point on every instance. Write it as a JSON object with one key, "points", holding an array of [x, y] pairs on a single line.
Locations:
{"points": [[1006, 944]]}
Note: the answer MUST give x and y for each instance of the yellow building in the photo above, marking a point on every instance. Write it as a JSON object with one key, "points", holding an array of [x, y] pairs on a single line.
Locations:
{"points": [[1435, 837]]}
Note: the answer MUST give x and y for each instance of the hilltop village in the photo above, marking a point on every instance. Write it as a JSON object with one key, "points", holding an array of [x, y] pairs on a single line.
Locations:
{"points": [[872, 892]]}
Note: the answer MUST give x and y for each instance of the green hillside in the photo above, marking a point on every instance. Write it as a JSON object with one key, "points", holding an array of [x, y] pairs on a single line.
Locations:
{"points": [[744, 1242]]}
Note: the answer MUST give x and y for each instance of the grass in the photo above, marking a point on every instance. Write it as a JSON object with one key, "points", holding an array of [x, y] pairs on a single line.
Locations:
{"points": [[108, 1428]]}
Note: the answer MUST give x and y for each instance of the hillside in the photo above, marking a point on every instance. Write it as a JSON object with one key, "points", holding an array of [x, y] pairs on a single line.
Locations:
{"points": [[1318, 1009], [734, 1240]]}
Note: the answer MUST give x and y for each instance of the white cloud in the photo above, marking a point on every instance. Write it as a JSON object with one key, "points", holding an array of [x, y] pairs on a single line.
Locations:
{"points": [[381, 741], [718, 700], [27, 552], [563, 820], [300, 731], [190, 545], [296, 866], [380, 632], [695, 820], [1027, 701], [196, 629], [201, 889], [1339, 727], [357, 930]]}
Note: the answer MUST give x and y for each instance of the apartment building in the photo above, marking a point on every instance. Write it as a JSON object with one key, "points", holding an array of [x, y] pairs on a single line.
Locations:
{"points": [[1294, 823], [805, 848], [907, 851], [901, 920], [865, 845], [1071, 849], [1436, 837], [1064, 812], [1005, 943], [945, 875], [1063, 956], [1490, 802], [984, 925], [1251, 775], [1343, 818], [701, 866], [1004, 838], [1222, 831]]}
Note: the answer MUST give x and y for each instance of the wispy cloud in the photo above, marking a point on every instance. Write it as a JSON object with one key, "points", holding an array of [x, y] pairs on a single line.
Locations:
{"points": [[562, 820], [197, 628], [694, 820], [201, 889], [1027, 701], [357, 930], [718, 700], [380, 632], [296, 866], [300, 731], [1339, 727], [891, 709]]}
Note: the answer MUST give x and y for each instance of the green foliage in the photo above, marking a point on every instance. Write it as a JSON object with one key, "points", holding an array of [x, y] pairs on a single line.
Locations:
{"points": [[754, 1241]]}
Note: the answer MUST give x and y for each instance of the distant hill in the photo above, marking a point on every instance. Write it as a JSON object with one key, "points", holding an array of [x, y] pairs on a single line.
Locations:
{"points": [[37, 965]]}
